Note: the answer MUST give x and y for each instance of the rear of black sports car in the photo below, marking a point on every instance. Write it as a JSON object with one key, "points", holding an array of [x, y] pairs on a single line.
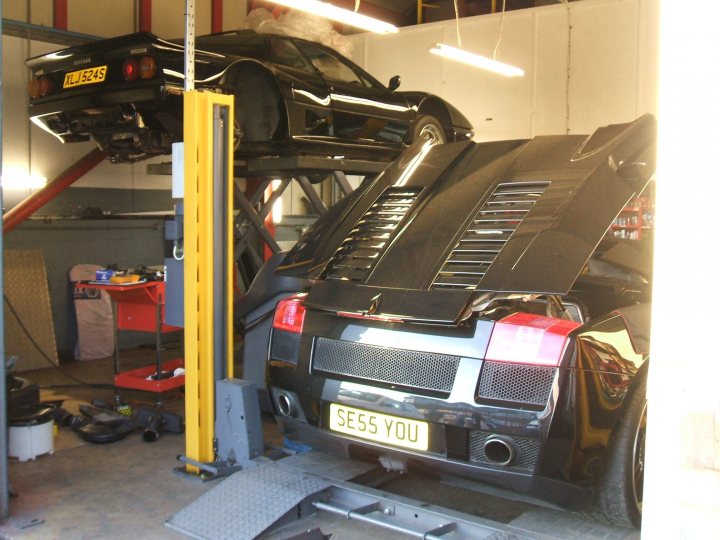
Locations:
{"points": [[465, 314]]}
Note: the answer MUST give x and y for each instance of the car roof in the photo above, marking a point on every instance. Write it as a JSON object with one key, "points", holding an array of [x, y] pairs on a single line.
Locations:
{"points": [[246, 42]]}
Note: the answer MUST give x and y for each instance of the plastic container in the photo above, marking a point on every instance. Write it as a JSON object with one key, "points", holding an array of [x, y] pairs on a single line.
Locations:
{"points": [[104, 274], [31, 432]]}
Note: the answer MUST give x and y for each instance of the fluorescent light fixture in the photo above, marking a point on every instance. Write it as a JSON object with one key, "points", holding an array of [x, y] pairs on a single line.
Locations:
{"points": [[344, 16], [476, 60], [19, 179]]}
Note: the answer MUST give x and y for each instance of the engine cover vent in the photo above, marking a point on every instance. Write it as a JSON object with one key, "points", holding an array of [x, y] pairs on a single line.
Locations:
{"points": [[488, 232], [358, 254]]}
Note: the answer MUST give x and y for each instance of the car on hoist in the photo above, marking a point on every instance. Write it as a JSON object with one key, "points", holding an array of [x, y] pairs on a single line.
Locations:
{"points": [[291, 96], [467, 313]]}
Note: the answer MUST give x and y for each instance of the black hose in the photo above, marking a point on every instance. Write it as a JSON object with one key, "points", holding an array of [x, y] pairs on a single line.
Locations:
{"points": [[49, 360]]}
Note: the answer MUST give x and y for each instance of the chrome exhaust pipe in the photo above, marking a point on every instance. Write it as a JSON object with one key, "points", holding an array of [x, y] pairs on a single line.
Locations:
{"points": [[499, 451], [285, 405]]}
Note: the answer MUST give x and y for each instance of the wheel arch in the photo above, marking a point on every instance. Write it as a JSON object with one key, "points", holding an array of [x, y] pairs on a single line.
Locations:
{"points": [[248, 69], [434, 106]]}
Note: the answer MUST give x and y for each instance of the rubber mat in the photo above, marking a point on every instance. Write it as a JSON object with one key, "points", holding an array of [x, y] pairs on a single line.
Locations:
{"points": [[246, 503]]}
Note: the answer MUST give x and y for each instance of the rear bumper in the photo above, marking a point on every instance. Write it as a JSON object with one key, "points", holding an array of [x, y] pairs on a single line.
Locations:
{"points": [[560, 493], [88, 101]]}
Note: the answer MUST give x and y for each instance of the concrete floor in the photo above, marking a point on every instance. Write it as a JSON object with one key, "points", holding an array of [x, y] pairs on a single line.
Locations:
{"points": [[128, 489]]}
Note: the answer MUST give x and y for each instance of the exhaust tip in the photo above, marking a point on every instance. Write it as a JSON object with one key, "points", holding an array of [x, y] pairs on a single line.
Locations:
{"points": [[499, 451], [285, 405]]}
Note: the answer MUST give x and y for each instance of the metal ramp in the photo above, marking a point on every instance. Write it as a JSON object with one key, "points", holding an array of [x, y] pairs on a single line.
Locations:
{"points": [[247, 503], [256, 501]]}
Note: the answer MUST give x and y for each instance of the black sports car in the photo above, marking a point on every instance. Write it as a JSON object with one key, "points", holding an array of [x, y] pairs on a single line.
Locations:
{"points": [[291, 95], [466, 313]]}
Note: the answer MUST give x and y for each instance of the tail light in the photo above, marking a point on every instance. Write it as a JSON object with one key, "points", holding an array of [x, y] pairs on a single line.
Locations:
{"points": [[131, 69], [147, 67], [144, 68], [40, 87], [524, 338], [290, 314]]}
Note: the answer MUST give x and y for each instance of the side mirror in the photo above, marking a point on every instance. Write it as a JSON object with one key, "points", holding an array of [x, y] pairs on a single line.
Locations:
{"points": [[394, 83]]}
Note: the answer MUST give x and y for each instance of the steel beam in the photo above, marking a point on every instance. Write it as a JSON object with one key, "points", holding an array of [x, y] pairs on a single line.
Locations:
{"points": [[4, 482], [46, 34], [57, 185], [312, 195], [371, 10], [145, 16], [216, 16], [60, 14]]}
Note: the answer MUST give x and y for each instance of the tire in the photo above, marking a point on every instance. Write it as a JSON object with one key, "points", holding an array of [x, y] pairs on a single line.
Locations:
{"points": [[257, 109], [429, 127], [620, 492]]}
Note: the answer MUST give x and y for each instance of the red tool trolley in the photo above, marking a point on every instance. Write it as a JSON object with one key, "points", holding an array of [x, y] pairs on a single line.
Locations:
{"points": [[140, 306]]}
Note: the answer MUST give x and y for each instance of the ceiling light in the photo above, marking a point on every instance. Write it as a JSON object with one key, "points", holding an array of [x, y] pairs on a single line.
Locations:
{"points": [[344, 16], [476, 60]]}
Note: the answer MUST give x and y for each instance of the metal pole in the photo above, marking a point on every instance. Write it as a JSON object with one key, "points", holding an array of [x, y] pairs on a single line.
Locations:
{"points": [[4, 484], [220, 240], [189, 45]]}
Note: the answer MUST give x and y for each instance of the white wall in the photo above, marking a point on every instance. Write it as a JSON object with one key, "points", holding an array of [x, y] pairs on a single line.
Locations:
{"points": [[613, 66]]}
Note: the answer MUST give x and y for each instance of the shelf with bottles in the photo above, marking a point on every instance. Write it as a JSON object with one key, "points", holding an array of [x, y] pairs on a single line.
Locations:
{"points": [[635, 221]]}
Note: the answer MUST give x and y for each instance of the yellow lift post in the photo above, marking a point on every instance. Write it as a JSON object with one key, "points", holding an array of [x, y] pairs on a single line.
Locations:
{"points": [[208, 251]]}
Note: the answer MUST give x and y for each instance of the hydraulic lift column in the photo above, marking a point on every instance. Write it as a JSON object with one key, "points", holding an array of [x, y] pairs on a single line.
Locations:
{"points": [[208, 195]]}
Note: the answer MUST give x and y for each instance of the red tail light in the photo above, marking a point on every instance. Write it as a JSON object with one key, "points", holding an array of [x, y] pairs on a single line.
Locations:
{"points": [[290, 314], [524, 338], [147, 67], [130, 69], [34, 88], [40, 87], [46, 86]]}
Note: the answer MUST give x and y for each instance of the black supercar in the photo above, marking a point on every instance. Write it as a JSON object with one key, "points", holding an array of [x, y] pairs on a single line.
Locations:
{"points": [[466, 313], [291, 96]]}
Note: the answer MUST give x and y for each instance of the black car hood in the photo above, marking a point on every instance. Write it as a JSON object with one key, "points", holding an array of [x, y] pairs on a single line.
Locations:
{"points": [[444, 222]]}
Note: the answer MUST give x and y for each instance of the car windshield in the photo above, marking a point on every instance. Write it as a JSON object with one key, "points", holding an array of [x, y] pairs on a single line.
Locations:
{"points": [[330, 66], [283, 52]]}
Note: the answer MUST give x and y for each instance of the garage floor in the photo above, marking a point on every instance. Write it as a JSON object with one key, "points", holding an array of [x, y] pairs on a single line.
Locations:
{"points": [[128, 489]]}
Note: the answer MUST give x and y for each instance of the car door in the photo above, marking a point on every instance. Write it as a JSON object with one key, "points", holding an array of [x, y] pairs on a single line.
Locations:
{"points": [[363, 109], [309, 103]]}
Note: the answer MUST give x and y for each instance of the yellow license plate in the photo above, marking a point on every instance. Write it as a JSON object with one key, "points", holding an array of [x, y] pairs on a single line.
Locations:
{"points": [[85, 76], [381, 428]]}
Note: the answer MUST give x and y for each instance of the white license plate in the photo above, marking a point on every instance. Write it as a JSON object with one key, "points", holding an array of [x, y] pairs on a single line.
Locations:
{"points": [[381, 428], [85, 76]]}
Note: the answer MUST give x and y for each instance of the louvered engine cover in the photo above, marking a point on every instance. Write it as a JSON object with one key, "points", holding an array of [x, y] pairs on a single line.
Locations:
{"points": [[488, 232], [360, 251], [445, 222]]}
